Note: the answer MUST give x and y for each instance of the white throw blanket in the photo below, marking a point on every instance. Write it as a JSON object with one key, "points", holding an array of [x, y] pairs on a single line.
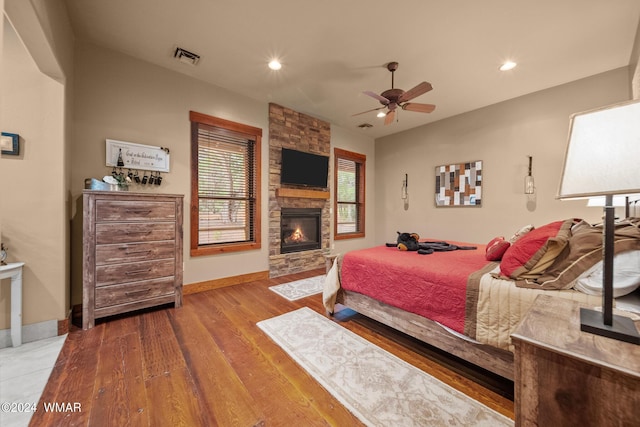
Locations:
{"points": [[331, 288]]}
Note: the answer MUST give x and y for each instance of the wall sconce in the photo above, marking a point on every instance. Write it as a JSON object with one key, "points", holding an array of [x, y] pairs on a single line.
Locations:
{"points": [[529, 186], [404, 193]]}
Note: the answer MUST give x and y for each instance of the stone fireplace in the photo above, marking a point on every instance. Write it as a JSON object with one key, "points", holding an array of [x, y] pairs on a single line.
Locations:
{"points": [[288, 251]]}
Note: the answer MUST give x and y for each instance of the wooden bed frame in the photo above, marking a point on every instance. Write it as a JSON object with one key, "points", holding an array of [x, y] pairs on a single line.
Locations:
{"points": [[490, 358]]}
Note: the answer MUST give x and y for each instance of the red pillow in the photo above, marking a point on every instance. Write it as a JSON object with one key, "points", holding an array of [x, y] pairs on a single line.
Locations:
{"points": [[527, 251], [496, 248]]}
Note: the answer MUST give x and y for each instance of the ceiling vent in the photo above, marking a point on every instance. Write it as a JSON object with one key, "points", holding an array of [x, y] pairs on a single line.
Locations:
{"points": [[186, 57], [365, 125]]}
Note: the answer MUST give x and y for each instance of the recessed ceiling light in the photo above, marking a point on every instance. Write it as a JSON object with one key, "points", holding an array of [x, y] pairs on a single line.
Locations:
{"points": [[509, 65], [381, 114], [275, 64]]}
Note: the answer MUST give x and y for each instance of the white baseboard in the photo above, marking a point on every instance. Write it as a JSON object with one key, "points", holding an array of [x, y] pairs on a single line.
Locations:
{"points": [[33, 332]]}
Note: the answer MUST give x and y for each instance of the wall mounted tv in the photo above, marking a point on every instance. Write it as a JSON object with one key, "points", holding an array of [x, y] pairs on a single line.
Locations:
{"points": [[307, 169]]}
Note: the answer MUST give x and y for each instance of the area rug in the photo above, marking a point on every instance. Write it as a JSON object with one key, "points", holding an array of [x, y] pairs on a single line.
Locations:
{"points": [[300, 288], [375, 385]]}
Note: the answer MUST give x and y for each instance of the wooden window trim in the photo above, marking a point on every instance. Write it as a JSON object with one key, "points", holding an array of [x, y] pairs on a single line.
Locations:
{"points": [[195, 250], [361, 162]]}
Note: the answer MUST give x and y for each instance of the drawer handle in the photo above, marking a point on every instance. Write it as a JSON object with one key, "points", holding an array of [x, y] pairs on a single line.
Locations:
{"points": [[141, 291], [128, 233], [130, 273], [139, 211], [136, 252]]}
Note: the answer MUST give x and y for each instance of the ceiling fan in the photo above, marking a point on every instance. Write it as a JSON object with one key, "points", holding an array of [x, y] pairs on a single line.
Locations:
{"points": [[394, 98]]}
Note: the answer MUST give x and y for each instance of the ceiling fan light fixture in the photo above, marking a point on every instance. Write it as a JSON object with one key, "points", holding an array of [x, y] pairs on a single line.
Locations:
{"points": [[275, 65], [381, 114], [508, 65]]}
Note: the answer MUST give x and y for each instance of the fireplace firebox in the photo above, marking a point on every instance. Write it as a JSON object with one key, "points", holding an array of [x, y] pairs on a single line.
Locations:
{"points": [[300, 229]]}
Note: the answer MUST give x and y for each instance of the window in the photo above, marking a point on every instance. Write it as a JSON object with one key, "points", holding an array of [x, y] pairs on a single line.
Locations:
{"points": [[349, 184], [225, 185]]}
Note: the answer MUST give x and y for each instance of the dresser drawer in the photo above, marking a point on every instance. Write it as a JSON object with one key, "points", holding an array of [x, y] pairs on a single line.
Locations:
{"points": [[107, 233], [139, 210], [122, 294], [132, 252], [133, 272]]}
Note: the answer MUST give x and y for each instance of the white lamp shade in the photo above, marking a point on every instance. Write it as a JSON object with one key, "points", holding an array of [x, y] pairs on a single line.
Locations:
{"points": [[598, 201], [602, 152]]}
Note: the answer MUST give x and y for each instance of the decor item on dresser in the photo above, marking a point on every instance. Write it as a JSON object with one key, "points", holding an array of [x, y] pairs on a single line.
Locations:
{"points": [[459, 184], [132, 244], [601, 160], [137, 156]]}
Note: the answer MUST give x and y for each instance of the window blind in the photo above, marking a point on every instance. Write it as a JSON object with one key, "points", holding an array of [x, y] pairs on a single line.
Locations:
{"points": [[347, 196], [226, 186]]}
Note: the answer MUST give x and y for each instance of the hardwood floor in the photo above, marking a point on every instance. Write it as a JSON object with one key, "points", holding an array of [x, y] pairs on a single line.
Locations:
{"points": [[208, 364]]}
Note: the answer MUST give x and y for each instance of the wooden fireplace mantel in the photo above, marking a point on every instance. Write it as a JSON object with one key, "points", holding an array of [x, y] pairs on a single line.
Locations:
{"points": [[303, 194]]}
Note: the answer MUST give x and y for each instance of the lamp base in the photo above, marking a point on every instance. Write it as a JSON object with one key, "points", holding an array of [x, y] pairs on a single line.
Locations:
{"points": [[623, 328]]}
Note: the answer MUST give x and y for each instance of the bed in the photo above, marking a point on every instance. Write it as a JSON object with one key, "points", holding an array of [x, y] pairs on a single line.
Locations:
{"points": [[467, 302]]}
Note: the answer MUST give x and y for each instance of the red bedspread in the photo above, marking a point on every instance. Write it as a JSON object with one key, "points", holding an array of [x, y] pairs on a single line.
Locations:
{"points": [[433, 286]]}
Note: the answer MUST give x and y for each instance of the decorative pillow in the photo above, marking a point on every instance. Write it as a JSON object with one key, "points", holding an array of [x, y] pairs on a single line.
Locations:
{"points": [[518, 234], [531, 254], [626, 275], [496, 248], [584, 250]]}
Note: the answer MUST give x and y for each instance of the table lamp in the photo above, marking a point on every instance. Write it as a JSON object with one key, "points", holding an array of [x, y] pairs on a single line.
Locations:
{"points": [[602, 160]]}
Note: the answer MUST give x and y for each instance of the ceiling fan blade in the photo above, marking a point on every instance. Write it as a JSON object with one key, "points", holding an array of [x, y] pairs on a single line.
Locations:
{"points": [[389, 117], [420, 108], [423, 87], [382, 99], [368, 111]]}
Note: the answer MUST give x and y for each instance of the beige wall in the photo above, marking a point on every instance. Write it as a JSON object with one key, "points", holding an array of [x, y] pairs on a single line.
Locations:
{"points": [[502, 136], [34, 192]]}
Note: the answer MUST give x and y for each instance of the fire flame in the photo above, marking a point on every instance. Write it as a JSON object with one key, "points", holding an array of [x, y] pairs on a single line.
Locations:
{"points": [[297, 236]]}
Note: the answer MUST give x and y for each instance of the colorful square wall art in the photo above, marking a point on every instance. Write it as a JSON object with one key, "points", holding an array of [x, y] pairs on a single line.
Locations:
{"points": [[459, 184]]}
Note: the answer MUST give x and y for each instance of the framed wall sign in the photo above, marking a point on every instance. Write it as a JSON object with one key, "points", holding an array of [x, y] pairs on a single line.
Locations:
{"points": [[137, 156], [10, 143], [459, 184]]}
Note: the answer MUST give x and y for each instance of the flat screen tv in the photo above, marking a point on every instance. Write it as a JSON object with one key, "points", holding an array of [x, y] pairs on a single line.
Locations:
{"points": [[306, 169]]}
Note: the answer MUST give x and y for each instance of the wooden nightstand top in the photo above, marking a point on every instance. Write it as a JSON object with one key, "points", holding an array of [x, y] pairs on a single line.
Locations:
{"points": [[554, 324]]}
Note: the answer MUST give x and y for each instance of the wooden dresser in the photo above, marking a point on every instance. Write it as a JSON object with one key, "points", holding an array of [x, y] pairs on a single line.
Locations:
{"points": [[566, 377], [132, 244]]}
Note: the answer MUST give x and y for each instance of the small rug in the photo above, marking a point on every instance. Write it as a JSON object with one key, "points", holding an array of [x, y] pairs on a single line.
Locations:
{"points": [[300, 288], [375, 385]]}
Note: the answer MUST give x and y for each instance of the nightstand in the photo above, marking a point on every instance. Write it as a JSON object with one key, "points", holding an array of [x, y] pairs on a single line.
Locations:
{"points": [[566, 377]]}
